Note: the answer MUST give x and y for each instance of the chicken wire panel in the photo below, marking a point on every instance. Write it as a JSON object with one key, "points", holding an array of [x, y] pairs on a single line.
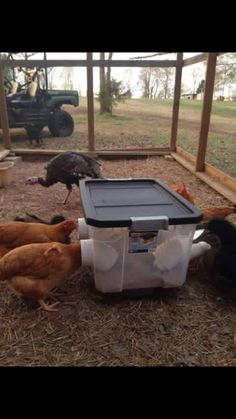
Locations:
{"points": [[221, 147], [191, 107], [141, 120]]}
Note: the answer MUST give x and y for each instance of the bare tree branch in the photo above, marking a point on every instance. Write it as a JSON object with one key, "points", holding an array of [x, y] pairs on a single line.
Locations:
{"points": [[152, 55], [231, 63]]}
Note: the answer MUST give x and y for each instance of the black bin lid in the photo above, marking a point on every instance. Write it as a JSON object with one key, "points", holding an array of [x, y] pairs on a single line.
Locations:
{"points": [[112, 202]]}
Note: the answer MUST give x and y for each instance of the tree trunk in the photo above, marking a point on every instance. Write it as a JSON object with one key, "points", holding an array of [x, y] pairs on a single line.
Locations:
{"points": [[25, 75], [105, 87], [108, 77], [46, 71], [147, 86], [102, 82], [166, 86]]}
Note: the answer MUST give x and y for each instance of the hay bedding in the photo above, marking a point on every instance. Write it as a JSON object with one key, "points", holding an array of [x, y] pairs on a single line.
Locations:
{"points": [[191, 326]]}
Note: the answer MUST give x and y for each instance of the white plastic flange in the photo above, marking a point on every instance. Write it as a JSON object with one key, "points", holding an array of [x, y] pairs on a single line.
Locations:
{"points": [[198, 249], [104, 257], [86, 252], [83, 230]]}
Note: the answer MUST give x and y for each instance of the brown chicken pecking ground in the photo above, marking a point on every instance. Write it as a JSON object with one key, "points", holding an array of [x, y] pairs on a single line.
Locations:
{"points": [[191, 326]]}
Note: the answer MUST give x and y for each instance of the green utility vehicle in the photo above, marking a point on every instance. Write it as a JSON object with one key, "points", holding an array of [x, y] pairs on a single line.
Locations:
{"points": [[33, 106]]}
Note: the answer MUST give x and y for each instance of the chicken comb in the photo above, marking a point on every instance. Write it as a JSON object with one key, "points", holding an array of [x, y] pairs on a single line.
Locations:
{"points": [[69, 224]]}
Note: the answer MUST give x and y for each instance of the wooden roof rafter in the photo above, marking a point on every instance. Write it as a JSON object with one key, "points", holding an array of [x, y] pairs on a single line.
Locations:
{"points": [[84, 63]]}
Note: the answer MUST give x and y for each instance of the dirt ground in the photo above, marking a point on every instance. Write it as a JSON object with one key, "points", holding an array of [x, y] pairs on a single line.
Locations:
{"points": [[192, 326]]}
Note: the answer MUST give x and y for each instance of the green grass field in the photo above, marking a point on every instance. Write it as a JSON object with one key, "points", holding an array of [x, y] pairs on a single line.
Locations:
{"points": [[145, 122]]}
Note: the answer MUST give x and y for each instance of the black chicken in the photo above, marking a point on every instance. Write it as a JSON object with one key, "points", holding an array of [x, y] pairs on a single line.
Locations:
{"points": [[68, 168], [35, 133], [225, 258], [31, 218]]}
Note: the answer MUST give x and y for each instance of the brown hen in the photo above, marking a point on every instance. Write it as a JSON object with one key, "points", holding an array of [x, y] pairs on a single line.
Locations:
{"points": [[182, 190], [209, 213], [14, 234], [217, 212], [35, 269]]}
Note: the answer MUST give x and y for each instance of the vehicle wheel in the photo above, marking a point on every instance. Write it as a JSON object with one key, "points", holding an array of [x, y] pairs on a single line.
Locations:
{"points": [[61, 124]]}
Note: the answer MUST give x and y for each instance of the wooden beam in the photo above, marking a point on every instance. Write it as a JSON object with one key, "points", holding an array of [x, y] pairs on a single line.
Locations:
{"points": [[218, 175], [83, 63], [91, 140], [137, 153], [38, 153], [167, 149], [184, 162], [3, 113], [188, 156], [177, 93], [196, 59], [41, 63], [135, 63], [206, 110], [221, 177], [99, 63], [112, 153], [221, 189]]}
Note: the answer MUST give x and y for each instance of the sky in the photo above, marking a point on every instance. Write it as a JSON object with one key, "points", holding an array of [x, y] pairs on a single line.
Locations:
{"points": [[119, 73]]}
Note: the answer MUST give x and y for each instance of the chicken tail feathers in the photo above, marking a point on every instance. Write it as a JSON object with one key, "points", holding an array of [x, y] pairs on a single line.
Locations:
{"points": [[225, 230]]}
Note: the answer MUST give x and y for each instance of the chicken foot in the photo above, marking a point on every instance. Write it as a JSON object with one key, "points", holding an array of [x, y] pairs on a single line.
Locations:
{"points": [[47, 307]]}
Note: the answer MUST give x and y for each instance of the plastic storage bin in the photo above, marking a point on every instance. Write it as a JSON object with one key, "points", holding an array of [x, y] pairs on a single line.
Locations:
{"points": [[140, 233]]}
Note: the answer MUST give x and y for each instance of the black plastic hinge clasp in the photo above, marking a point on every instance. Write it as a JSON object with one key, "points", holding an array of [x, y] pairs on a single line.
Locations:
{"points": [[149, 223]]}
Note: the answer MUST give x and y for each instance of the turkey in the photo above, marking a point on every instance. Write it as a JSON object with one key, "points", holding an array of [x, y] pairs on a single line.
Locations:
{"points": [[68, 168]]}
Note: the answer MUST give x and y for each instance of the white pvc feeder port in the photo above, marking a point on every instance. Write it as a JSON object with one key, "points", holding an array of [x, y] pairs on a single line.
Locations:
{"points": [[100, 255], [83, 230], [86, 252]]}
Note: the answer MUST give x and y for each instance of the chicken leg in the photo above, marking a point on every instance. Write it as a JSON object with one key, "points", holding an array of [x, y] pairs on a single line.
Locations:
{"points": [[48, 307], [69, 187], [54, 296]]}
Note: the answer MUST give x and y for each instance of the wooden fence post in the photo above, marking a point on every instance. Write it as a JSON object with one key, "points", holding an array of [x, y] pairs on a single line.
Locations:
{"points": [[91, 140], [3, 113], [177, 93], [206, 111]]}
